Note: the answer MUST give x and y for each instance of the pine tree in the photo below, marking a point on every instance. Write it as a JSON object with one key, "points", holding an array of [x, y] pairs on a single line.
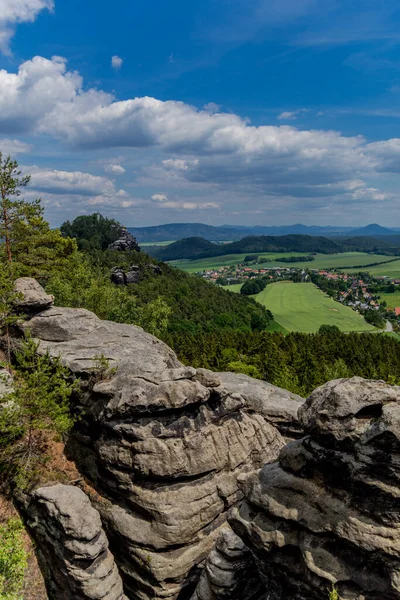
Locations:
{"points": [[10, 208], [38, 403], [29, 245]]}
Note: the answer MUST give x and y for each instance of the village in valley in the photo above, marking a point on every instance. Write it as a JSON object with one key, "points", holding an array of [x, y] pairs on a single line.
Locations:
{"points": [[360, 291]]}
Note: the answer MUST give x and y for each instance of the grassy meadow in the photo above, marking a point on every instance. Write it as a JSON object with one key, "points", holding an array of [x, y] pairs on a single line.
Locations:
{"points": [[392, 300], [303, 307], [322, 261], [230, 260], [144, 244], [392, 269]]}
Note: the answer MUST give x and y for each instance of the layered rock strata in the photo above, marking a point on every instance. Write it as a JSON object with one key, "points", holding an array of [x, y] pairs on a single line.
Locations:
{"points": [[132, 275], [230, 572], [72, 545], [125, 243], [328, 511], [163, 444], [279, 407]]}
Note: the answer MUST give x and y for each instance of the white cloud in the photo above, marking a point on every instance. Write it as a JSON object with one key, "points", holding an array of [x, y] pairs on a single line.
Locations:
{"points": [[70, 182], [198, 147], [13, 12], [116, 62], [115, 169], [178, 164], [190, 205], [159, 198], [13, 147], [292, 115], [212, 107]]}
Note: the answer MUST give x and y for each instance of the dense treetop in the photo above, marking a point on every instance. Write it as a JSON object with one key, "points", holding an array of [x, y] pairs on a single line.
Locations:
{"points": [[92, 232]]}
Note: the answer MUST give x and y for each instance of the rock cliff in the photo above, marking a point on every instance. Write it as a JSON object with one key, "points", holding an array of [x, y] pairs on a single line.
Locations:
{"points": [[174, 452], [72, 545], [328, 511], [125, 242], [163, 445]]}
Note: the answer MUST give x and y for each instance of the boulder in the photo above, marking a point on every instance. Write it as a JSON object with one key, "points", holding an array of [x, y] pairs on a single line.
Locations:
{"points": [[164, 443], [71, 543], [278, 406], [32, 297], [5, 383], [328, 511]]}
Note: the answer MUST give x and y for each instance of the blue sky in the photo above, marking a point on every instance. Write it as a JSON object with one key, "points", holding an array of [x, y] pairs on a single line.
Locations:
{"points": [[239, 111]]}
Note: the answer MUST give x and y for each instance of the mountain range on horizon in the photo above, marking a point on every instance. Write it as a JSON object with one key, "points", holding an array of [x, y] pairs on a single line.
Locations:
{"points": [[224, 233]]}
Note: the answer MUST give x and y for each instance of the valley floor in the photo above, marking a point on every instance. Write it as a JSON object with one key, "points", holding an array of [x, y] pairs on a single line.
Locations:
{"points": [[303, 307]]}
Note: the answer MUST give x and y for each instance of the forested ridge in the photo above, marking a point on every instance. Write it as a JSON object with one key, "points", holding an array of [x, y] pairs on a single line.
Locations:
{"points": [[191, 248], [298, 362]]}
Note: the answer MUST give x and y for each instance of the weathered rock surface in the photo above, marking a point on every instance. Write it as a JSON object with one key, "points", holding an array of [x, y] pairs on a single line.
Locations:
{"points": [[125, 242], [164, 443], [230, 572], [72, 545], [328, 512], [279, 407], [132, 275], [33, 297], [5, 383]]}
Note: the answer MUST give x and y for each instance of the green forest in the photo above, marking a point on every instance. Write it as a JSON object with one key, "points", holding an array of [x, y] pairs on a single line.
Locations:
{"points": [[298, 362]]}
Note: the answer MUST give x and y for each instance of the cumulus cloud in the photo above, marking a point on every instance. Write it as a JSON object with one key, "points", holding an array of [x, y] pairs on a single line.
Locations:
{"points": [[70, 182], [13, 147], [116, 62], [115, 169], [13, 12], [200, 147]]}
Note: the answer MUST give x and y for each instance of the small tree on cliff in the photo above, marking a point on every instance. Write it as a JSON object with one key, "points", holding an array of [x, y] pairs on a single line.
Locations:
{"points": [[28, 244], [10, 208], [38, 403]]}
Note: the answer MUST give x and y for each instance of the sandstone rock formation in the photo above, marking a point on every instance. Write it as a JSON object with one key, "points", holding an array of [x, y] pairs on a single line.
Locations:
{"points": [[32, 296], [5, 383], [230, 572], [125, 242], [279, 407], [121, 277], [163, 443], [72, 545], [328, 512]]}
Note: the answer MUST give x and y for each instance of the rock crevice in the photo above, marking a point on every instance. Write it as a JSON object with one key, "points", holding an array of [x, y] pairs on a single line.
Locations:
{"points": [[328, 511]]}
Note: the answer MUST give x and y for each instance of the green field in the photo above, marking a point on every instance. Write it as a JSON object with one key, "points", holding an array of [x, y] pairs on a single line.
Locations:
{"points": [[322, 261], [392, 300], [235, 287], [303, 307], [144, 244], [392, 269], [230, 260]]}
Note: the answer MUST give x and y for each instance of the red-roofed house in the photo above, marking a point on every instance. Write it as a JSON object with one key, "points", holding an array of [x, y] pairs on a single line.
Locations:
{"points": [[397, 311]]}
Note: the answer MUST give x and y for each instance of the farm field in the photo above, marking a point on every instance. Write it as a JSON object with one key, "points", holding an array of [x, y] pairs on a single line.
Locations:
{"points": [[392, 300], [235, 287], [303, 307], [322, 261], [144, 244], [392, 269], [205, 264]]}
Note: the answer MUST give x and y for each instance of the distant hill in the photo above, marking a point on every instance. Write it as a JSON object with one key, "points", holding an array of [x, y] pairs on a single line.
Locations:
{"points": [[178, 231], [372, 230], [192, 248]]}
